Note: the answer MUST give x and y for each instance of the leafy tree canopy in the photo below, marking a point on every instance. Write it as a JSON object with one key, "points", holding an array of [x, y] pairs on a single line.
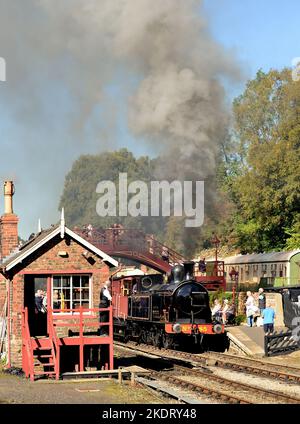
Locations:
{"points": [[263, 174]]}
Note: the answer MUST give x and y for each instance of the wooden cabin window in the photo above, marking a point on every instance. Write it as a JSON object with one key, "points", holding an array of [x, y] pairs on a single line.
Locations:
{"points": [[71, 292]]}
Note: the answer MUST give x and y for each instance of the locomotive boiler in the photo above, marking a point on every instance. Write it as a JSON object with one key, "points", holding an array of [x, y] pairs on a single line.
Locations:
{"points": [[169, 314]]}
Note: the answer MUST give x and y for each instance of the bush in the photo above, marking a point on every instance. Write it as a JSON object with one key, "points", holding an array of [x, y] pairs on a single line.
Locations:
{"points": [[220, 295], [240, 318]]}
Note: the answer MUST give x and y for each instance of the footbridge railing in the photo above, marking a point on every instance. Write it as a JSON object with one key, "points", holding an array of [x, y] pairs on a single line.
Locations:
{"points": [[119, 239]]}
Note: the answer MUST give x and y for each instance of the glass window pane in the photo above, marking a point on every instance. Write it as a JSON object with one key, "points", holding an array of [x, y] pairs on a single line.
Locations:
{"points": [[85, 294], [76, 280], [85, 305], [66, 305], [76, 294], [76, 305], [66, 281], [56, 281], [66, 294], [56, 304], [85, 281]]}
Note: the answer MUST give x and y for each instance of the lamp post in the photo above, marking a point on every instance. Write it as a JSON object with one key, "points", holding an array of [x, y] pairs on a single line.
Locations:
{"points": [[216, 242]]}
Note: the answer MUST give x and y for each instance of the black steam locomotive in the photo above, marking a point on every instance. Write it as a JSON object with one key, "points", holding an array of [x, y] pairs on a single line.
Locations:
{"points": [[166, 314]]}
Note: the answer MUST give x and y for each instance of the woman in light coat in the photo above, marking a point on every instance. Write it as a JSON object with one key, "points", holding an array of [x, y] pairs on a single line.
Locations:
{"points": [[250, 308]]}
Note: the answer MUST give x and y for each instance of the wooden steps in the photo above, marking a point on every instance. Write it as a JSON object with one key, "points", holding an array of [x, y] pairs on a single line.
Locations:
{"points": [[43, 359]]}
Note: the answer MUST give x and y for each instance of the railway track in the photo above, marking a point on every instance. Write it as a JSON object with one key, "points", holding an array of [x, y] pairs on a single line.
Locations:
{"points": [[226, 361], [200, 388], [230, 386], [201, 382], [254, 366]]}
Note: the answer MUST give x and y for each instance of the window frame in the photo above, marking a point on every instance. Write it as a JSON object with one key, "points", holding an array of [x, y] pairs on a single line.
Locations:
{"points": [[90, 300]]}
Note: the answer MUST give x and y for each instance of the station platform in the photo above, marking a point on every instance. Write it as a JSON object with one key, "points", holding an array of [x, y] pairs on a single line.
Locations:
{"points": [[247, 340]]}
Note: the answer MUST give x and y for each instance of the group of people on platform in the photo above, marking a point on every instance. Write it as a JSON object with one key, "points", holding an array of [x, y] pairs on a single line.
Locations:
{"points": [[259, 312], [223, 313]]}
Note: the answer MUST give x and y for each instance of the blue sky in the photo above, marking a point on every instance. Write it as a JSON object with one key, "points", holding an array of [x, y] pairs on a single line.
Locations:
{"points": [[262, 34]]}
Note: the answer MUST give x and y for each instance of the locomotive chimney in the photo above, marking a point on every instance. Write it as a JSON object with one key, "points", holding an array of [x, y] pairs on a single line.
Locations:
{"points": [[8, 223], [189, 269]]}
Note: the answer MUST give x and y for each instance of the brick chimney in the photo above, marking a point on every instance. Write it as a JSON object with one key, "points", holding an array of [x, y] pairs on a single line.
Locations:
{"points": [[8, 223]]}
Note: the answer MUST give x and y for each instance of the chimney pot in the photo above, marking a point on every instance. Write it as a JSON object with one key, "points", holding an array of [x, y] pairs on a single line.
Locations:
{"points": [[9, 191], [8, 223]]}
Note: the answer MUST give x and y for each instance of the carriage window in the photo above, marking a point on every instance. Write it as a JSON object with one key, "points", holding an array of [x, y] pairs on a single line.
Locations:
{"points": [[71, 292]]}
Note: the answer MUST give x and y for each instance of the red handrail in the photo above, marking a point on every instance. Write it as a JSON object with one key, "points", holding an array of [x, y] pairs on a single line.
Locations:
{"points": [[62, 318], [55, 343], [29, 370]]}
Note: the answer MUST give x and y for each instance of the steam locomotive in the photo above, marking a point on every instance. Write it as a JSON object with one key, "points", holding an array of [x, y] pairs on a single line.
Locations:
{"points": [[168, 314]]}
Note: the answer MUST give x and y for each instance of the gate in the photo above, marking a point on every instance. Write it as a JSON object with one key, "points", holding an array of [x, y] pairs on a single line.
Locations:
{"points": [[280, 343]]}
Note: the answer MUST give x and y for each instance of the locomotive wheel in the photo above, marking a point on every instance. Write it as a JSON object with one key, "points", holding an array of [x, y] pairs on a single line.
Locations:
{"points": [[157, 340], [167, 341], [143, 338], [152, 336], [148, 337]]}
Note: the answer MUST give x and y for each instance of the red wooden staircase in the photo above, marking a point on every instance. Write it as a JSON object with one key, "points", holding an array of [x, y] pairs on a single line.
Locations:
{"points": [[43, 362], [40, 355]]}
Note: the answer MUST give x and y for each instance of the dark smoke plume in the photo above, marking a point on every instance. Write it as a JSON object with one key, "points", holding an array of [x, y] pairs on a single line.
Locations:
{"points": [[65, 58]]}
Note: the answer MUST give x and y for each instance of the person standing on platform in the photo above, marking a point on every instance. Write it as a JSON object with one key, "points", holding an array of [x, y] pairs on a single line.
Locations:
{"points": [[250, 308], [202, 266], [165, 254], [105, 300], [269, 317], [38, 301], [261, 300], [225, 310]]}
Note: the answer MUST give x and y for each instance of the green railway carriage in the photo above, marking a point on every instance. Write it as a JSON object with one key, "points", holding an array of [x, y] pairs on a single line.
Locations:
{"points": [[279, 269]]}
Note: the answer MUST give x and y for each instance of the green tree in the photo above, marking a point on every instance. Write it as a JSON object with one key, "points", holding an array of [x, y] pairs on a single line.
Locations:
{"points": [[293, 234], [262, 179], [79, 197]]}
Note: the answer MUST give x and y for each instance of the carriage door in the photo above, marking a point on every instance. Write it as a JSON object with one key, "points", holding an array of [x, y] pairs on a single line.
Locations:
{"points": [[37, 310]]}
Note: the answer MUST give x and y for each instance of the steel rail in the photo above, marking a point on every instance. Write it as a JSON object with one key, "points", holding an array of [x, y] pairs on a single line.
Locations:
{"points": [[201, 388], [240, 386], [221, 360]]}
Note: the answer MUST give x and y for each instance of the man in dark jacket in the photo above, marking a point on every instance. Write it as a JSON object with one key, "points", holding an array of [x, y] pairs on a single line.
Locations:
{"points": [[261, 300], [105, 300]]}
